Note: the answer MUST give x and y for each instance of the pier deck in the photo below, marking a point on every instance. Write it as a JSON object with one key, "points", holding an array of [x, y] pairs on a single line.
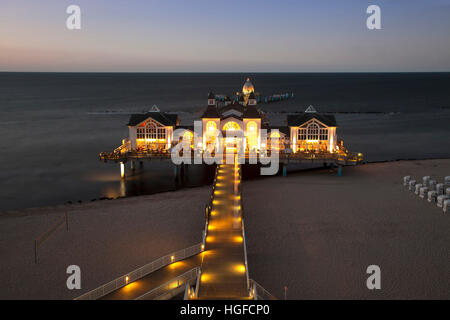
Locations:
{"points": [[344, 159], [223, 270], [155, 279]]}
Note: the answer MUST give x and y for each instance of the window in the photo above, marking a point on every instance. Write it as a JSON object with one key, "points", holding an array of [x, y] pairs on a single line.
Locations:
{"points": [[275, 135], [140, 133], [313, 132], [252, 134], [231, 126], [150, 131], [211, 127], [162, 133], [302, 134], [323, 134]]}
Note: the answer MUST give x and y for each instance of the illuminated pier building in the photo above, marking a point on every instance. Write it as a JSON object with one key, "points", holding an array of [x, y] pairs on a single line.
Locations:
{"points": [[306, 136]]}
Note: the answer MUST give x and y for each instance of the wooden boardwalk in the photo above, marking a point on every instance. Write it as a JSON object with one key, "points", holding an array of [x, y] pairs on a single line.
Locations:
{"points": [[222, 263], [155, 279], [223, 271]]}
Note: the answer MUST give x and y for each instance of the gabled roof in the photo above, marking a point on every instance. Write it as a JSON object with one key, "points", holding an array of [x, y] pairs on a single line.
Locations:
{"points": [[295, 120], [311, 109], [211, 112], [234, 106], [231, 116], [211, 95], [251, 112], [166, 119]]}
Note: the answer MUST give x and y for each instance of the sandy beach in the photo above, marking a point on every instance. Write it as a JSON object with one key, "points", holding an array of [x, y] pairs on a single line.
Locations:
{"points": [[106, 239], [316, 233], [311, 231]]}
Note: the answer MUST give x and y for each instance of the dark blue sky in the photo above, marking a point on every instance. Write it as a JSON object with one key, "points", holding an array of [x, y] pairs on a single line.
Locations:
{"points": [[208, 35]]}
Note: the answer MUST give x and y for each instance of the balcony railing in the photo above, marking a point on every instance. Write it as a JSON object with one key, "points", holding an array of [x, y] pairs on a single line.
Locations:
{"points": [[124, 152]]}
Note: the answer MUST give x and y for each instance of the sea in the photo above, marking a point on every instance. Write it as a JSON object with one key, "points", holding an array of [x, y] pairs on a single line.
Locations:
{"points": [[53, 125]]}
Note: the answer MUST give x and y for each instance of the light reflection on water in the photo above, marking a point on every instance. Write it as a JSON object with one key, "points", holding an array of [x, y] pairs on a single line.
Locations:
{"points": [[151, 179]]}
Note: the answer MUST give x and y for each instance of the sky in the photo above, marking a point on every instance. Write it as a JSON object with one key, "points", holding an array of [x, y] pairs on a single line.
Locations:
{"points": [[225, 36]]}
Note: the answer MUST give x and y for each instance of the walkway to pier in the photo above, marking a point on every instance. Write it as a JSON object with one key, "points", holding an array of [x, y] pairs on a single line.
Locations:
{"points": [[223, 270], [155, 279]]}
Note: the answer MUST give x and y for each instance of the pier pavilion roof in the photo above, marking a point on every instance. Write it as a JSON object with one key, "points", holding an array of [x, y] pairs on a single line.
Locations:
{"points": [[251, 112], [211, 112], [295, 120], [166, 119], [235, 109]]}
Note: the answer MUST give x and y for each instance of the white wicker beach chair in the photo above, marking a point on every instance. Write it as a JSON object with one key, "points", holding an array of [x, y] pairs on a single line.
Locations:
{"points": [[441, 199], [432, 196], [406, 180], [423, 192], [447, 191], [432, 185], [418, 186], [412, 185], [426, 181], [440, 189], [447, 181], [446, 206]]}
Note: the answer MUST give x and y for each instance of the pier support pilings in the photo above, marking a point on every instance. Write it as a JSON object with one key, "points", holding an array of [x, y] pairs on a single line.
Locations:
{"points": [[178, 172], [284, 168], [122, 170], [132, 165]]}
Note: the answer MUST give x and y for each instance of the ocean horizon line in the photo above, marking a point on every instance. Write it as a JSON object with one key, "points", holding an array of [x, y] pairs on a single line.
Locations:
{"points": [[224, 72]]}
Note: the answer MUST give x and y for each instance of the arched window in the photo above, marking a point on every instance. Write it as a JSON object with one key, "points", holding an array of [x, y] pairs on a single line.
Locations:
{"points": [[231, 126], [252, 135], [211, 127], [313, 131], [188, 137], [275, 134], [151, 130]]}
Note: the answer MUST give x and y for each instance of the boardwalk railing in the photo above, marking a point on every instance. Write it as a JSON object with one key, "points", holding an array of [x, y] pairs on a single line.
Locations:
{"points": [[123, 154], [141, 272], [172, 287], [259, 293], [208, 207], [115, 156], [241, 209]]}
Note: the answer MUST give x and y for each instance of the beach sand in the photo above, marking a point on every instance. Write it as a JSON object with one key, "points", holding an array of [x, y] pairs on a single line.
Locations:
{"points": [[312, 231], [106, 239], [317, 233]]}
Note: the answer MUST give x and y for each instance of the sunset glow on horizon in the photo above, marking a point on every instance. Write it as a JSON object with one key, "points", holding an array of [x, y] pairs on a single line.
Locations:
{"points": [[216, 36]]}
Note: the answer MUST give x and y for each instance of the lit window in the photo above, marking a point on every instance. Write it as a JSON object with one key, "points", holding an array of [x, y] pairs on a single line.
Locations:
{"points": [[313, 132], [231, 126], [302, 134], [211, 127], [323, 134], [252, 134]]}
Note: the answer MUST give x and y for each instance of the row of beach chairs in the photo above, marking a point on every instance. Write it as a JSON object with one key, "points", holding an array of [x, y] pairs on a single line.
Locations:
{"points": [[434, 192]]}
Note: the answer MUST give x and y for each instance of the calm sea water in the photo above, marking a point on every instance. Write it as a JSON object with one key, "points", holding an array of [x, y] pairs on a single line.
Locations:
{"points": [[53, 126]]}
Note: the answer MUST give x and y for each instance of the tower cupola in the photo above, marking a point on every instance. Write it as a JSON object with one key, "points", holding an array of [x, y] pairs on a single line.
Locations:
{"points": [[211, 99]]}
